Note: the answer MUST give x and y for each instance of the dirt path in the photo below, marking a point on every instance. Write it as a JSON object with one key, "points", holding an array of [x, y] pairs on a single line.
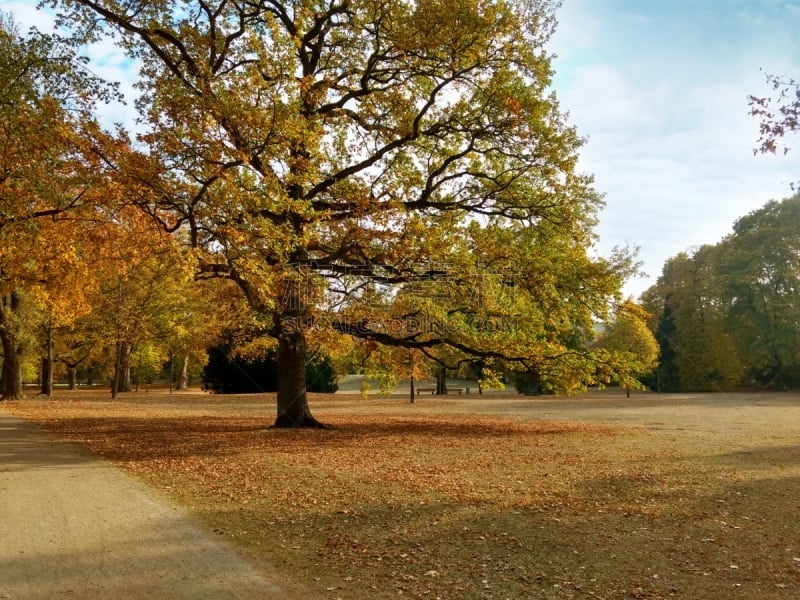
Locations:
{"points": [[75, 527]]}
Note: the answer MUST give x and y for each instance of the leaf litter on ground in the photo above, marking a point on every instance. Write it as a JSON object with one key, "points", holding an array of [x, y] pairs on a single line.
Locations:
{"points": [[395, 501]]}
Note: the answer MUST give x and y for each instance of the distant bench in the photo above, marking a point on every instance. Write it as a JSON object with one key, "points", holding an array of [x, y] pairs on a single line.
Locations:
{"points": [[432, 390]]}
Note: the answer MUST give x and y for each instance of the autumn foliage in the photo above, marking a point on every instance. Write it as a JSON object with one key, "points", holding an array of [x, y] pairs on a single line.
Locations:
{"points": [[333, 178], [393, 172]]}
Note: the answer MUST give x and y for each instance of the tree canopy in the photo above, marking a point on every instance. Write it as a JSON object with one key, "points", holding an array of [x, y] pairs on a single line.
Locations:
{"points": [[628, 334], [394, 171]]}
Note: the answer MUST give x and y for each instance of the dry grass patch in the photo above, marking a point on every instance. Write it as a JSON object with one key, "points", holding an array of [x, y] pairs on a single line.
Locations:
{"points": [[397, 500]]}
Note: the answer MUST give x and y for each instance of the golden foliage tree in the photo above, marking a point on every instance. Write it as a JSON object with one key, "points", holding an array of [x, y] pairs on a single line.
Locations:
{"points": [[50, 169], [629, 336]]}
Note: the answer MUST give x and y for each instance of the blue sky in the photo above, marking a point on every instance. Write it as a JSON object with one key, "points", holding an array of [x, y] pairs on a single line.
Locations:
{"points": [[659, 89]]}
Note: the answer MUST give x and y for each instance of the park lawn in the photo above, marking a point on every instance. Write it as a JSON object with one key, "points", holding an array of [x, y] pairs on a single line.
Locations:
{"points": [[418, 501]]}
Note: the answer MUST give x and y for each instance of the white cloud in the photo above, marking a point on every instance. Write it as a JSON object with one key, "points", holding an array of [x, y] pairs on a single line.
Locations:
{"points": [[639, 19], [577, 30], [601, 100], [26, 15]]}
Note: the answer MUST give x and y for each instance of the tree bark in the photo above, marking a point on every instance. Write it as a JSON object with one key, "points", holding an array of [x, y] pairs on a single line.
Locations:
{"points": [[115, 381], [126, 367], [183, 376], [290, 324], [441, 382], [12, 350], [12, 367], [122, 369], [293, 410], [47, 364], [72, 376], [44, 378]]}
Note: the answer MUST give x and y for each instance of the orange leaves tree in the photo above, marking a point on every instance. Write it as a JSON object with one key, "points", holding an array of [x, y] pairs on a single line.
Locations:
{"points": [[372, 168], [49, 170]]}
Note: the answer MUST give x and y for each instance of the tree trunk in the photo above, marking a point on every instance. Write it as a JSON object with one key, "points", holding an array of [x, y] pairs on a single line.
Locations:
{"points": [[121, 381], [126, 368], [47, 365], [12, 350], [44, 378], [290, 331], [115, 380], [293, 410], [441, 382], [413, 390], [183, 376], [72, 376], [530, 384], [12, 367]]}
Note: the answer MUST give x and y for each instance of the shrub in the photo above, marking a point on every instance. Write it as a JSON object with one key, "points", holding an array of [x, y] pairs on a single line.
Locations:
{"points": [[226, 373]]}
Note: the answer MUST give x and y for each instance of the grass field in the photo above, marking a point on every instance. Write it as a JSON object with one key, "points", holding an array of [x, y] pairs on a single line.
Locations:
{"points": [[597, 496]]}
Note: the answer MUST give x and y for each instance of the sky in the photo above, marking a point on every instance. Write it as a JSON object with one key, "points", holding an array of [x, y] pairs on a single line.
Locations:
{"points": [[659, 90]]}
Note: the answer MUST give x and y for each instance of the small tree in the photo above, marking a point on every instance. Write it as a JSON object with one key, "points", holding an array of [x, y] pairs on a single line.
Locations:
{"points": [[630, 339]]}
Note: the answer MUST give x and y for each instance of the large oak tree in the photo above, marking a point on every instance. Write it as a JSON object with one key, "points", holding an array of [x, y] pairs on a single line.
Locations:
{"points": [[392, 170]]}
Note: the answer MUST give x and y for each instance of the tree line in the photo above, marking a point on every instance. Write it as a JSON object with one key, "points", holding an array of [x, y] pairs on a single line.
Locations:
{"points": [[728, 315]]}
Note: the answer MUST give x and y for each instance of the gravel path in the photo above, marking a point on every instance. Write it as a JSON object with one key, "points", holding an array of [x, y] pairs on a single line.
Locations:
{"points": [[74, 527]]}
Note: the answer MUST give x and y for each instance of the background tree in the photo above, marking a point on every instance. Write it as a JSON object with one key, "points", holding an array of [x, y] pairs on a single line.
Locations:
{"points": [[657, 302], [235, 366], [729, 315], [698, 353], [760, 262], [143, 305], [196, 324], [60, 284], [307, 145], [629, 334], [389, 365], [78, 348], [49, 166]]}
